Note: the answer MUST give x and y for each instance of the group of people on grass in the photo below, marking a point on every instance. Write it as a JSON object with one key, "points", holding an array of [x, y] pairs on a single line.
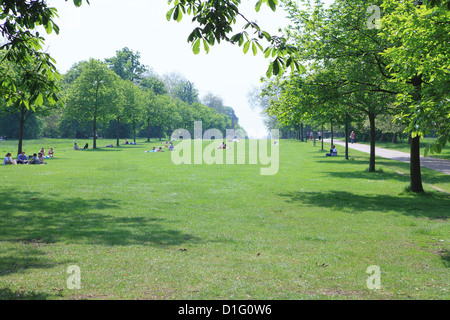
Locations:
{"points": [[168, 145], [22, 158]]}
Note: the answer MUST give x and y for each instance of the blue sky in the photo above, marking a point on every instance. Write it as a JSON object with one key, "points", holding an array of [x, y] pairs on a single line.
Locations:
{"points": [[100, 29]]}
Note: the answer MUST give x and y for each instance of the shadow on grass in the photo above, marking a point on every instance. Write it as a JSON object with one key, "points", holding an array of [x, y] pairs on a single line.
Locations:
{"points": [[32, 216], [7, 294], [30, 222], [428, 175], [366, 175], [431, 205], [100, 149]]}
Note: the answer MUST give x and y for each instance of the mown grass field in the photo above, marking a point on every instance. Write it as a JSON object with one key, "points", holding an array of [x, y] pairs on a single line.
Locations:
{"points": [[140, 227]]}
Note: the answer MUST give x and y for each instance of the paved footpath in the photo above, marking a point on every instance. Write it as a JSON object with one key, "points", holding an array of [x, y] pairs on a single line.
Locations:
{"points": [[428, 162]]}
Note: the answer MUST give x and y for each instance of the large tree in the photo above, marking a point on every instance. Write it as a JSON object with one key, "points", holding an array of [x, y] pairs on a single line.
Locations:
{"points": [[343, 56], [133, 104], [126, 64], [419, 54], [93, 96], [21, 45], [26, 96]]}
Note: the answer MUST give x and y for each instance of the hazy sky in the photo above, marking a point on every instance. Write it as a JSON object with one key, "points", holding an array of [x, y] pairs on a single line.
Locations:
{"points": [[100, 29]]}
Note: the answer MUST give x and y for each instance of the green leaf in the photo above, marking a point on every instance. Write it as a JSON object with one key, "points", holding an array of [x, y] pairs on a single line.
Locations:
{"points": [[258, 5], [196, 47], [276, 67], [169, 14], [272, 4], [39, 100], [254, 49], [269, 71], [246, 46], [206, 46]]}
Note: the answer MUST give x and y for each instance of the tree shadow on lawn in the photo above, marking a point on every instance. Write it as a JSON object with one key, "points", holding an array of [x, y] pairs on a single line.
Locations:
{"points": [[428, 175], [430, 205], [30, 216], [7, 294], [100, 149], [30, 223]]}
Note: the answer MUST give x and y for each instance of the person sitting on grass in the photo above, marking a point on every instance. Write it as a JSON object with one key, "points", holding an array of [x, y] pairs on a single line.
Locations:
{"points": [[8, 159], [76, 147], [171, 147], [160, 150], [22, 158], [153, 150], [333, 152], [86, 146], [41, 159], [42, 151], [34, 159], [50, 152]]}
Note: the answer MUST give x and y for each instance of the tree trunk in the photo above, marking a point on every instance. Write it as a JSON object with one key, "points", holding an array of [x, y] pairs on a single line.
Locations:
{"points": [[321, 136], [332, 134], [148, 129], [301, 132], [394, 138], [346, 137], [94, 127], [415, 173], [372, 142], [118, 130], [21, 126]]}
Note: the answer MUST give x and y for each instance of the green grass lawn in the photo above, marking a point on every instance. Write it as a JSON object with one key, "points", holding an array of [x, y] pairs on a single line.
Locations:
{"points": [[140, 227]]}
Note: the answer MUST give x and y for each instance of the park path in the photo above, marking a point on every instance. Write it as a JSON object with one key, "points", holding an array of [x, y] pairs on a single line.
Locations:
{"points": [[440, 165]]}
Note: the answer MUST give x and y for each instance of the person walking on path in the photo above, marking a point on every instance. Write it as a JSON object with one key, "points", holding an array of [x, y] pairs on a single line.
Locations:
{"points": [[352, 136]]}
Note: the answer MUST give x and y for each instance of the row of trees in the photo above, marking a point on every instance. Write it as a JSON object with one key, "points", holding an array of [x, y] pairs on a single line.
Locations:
{"points": [[357, 65], [118, 98], [357, 69]]}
